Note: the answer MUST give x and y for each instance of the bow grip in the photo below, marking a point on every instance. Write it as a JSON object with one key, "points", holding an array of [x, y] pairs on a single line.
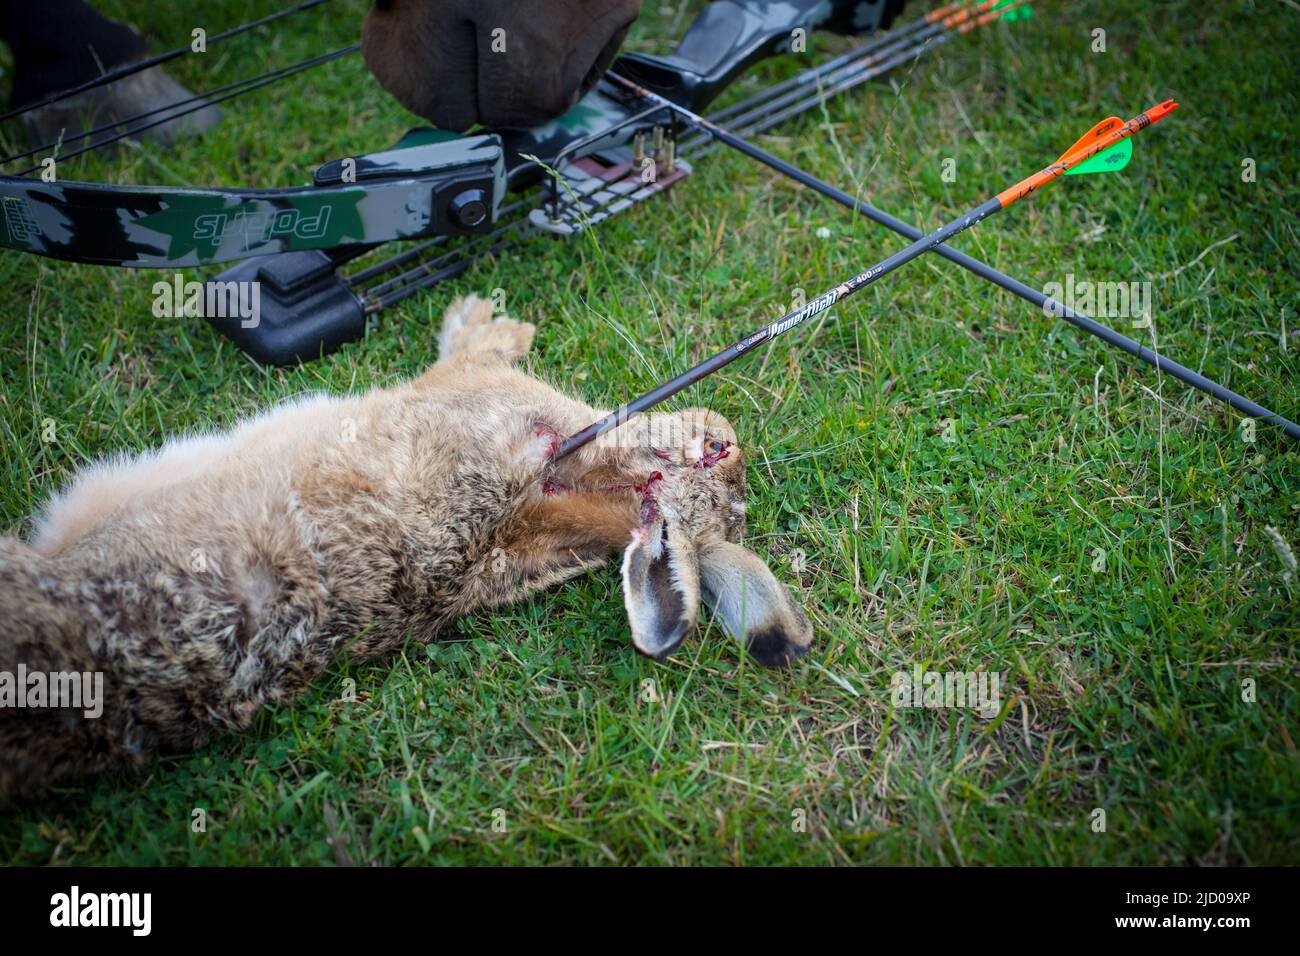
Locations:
{"points": [[730, 35]]}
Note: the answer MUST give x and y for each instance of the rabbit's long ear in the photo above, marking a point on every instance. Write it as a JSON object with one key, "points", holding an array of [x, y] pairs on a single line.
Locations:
{"points": [[661, 587], [752, 605]]}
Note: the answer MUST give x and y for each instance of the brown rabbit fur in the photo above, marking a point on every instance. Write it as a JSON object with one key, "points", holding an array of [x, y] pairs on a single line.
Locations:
{"points": [[222, 573]]}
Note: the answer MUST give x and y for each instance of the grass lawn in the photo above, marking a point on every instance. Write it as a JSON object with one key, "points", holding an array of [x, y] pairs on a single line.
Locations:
{"points": [[950, 479]]}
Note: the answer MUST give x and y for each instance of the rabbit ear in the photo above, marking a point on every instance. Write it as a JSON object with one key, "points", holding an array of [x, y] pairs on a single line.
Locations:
{"points": [[752, 605], [661, 587]]}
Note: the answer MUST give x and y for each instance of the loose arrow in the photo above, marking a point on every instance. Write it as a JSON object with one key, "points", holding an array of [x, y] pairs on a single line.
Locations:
{"points": [[1097, 141]]}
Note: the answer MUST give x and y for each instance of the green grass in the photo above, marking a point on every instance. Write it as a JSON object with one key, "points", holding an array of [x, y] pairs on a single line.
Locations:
{"points": [[977, 552]]}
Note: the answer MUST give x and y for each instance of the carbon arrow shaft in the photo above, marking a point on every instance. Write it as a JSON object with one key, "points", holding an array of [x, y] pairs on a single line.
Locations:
{"points": [[1050, 306], [860, 281], [779, 327]]}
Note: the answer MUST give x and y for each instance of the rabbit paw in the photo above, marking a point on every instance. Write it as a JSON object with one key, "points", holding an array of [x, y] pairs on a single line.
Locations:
{"points": [[470, 331]]}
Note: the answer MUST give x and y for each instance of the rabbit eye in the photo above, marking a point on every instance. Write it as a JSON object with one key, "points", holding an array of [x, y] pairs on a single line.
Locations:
{"points": [[714, 451]]}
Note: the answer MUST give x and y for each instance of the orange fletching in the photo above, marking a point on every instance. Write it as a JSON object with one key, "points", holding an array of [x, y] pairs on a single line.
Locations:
{"points": [[1098, 131]]}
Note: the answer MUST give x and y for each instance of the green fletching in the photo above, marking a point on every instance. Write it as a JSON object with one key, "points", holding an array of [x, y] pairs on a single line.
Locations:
{"points": [[1023, 12], [1107, 161]]}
